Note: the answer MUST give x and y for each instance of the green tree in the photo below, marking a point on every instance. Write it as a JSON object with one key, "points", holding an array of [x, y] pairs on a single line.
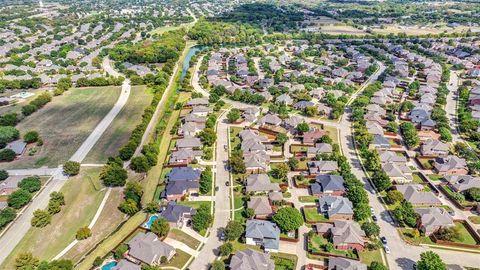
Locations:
{"points": [[41, 218], [202, 219], [430, 260], [129, 207], [237, 164], [377, 266], [280, 171], [3, 175], [19, 198], [206, 179], [371, 229], [218, 265], [288, 219], [160, 227], [7, 155], [8, 134], [473, 194], [405, 214], [113, 175], [445, 134], [140, 164], [409, 133], [98, 261], [233, 230], [53, 207], [71, 167], [281, 138], [83, 233], [303, 127], [249, 213], [151, 208], [57, 196], [26, 261], [7, 215], [120, 251], [233, 115], [226, 249], [381, 180], [30, 184], [31, 136], [208, 136], [293, 163], [394, 196], [361, 211]]}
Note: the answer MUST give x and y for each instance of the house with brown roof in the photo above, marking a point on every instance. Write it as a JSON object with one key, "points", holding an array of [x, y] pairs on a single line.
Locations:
{"points": [[317, 167], [415, 195], [433, 218], [343, 234], [261, 206], [148, 249], [434, 148], [450, 165], [312, 136]]}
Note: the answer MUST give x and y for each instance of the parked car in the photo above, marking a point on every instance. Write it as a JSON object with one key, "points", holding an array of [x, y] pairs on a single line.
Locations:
{"points": [[225, 147], [217, 188], [387, 249], [372, 211], [374, 218], [384, 240], [227, 183]]}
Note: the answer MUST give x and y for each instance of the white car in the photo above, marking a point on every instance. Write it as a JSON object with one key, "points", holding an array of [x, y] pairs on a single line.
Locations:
{"points": [[387, 249]]}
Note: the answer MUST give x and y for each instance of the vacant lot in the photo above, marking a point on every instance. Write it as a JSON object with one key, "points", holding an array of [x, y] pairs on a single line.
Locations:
{"points": [[82, 198], [419, 30], [64, 124], [119, 131]]}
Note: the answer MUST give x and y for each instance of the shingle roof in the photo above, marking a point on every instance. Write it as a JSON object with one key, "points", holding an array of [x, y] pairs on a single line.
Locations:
{"points": [[266, 230], [174, 212], [249, 259], [147, 248], [333, 205]]}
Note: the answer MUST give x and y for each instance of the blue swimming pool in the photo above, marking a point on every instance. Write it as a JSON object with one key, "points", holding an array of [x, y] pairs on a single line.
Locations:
{"points": [[109, 265], [148, 224]]}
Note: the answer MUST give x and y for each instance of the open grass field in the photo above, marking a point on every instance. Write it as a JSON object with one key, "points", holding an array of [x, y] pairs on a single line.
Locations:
{"points": [[64, 123], [419, 30], [82, 198], [119, 131]]}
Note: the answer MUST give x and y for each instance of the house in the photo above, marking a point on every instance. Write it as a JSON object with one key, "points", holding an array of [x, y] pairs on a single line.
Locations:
{"points": [[433, 218], [284, 99], [190, 143], [461, 183], [261, 206], [256, 162], [250, 114], [322, 167], [201, 110], [263, 233], [303, 105], [343, 234], [398, 173], [175, 190], [176, 214], [328, 185], [126, 265], [184, 156], [434, 148], [184, 174], [250, 259], [197, 102], [9, 185], [275, 196], [336, 207], [374, 128], [260, 183], [450, 165], [292, 122], [392, 157], [270, 119], [413, 194], [379, 142], [312, 136], [190, 129], [148, 249], [17, 146], [339, 263], [320, 148]]}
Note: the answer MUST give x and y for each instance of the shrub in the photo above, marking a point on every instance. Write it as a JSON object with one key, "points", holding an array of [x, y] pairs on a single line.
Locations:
{"points": [[19, 198], [140, 164], [233, 230], [3, 175], [83, 233], [121, 249], [8, 134], [225, 249], [71, 167], [113, 175], [30, 184], [7, 215], [41, 218], [288, 219], [31, 136], [7, 155], [160, 227]]}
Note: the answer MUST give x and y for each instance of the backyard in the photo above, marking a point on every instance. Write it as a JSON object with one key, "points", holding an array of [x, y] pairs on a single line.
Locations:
{"points": [[312, 215], [64, 123], [316, 243]]}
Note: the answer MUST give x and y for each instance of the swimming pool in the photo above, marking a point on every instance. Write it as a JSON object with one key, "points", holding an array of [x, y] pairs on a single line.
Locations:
{"points": [[109, 265], [148, 224]]}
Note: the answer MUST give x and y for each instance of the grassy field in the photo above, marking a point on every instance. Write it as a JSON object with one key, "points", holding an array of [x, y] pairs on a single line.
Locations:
{"points": [[64, 124], [417, 30], [82, 198], [17, 107], [119, 131]]}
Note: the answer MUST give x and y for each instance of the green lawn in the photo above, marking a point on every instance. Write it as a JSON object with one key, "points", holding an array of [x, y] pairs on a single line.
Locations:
{"points": [[409, 235], [82, 198], [195, 204], [369, 256], [465, 236], [119, 131], [316, 243], [284, 261], [308, 199], [312, 215], [64, 124], [435, 177], [425, 162], [298, 148], [417, 179], [180, 259], [474, 219], [184, 238]]}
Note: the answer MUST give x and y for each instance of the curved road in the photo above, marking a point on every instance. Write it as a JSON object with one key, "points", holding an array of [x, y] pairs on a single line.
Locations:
{"points": [[12, 236]]}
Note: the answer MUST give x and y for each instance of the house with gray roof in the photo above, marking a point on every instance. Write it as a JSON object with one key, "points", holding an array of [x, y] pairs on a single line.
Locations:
{"points": [[392, 157], [343, 234], [328, 185], [190, 143], [185, 156], [261, 206], [450, 165], [126, 265], [336, 207], [17, 146], [198, 102], [434, 148], [285, 99], [260, 183], [263, 233], [415, 195], [320, 148], [9, 185], [374, 128], [461, 183], [433, 218], [250, 259], [176, 214], [380, 142], [147, 248], [270, 119], [322, 167], [339, 263], [399, 173]]}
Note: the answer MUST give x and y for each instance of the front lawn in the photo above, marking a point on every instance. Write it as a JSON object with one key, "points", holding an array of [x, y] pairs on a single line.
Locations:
{"points": [[465, 237], [426, 163], [369, 256], [196, 204], [284, 261], [184, 238], [409, 235], [312, 215], [474, 219], [179, 260], [308, 199], [435, 177]]}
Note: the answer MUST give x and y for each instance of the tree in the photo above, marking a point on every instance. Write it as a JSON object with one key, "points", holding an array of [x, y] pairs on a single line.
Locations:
{"points": [[31, 136], [237, 164], [206, 180], [98, 261], [202, 219], [473, 194], [30, 184], [26, 261], [357, 194], [83, 233], [8, 134], [288, 219], [233, 230], [449, 233], [129, 207], [3, 175], [303, 127], [361, 211], [249, 213], [41, 218], [7, 155], [57, 196], [7, 215], [409, 133], [71, 167], [160, 227], [405, 214], [208, 136], [53, 207], [381, 180], [19, 198], [445, 134], [218, 265], [280, 171], [293, 163], [121, 249], [371, 229], [394, 196], [151, 208], [140, 164], [281, 138], [377, 266], [233, 115], [430, 260], [225, 249], [113, 175]]}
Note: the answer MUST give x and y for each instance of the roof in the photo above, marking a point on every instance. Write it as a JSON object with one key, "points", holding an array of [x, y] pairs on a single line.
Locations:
{"points": [[450, 162], [322, 166], [184, 174], [413, 194], [347, 232], [463, 182], [250, 259], [260, 205], [147, 248], [126, 265], [263, 229], [189, 143], [339, 263], [173, 212], [327, 182], [333, 205], [275, 196], [17, 146], [389, 156], [434, 217], [260, 182]]}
